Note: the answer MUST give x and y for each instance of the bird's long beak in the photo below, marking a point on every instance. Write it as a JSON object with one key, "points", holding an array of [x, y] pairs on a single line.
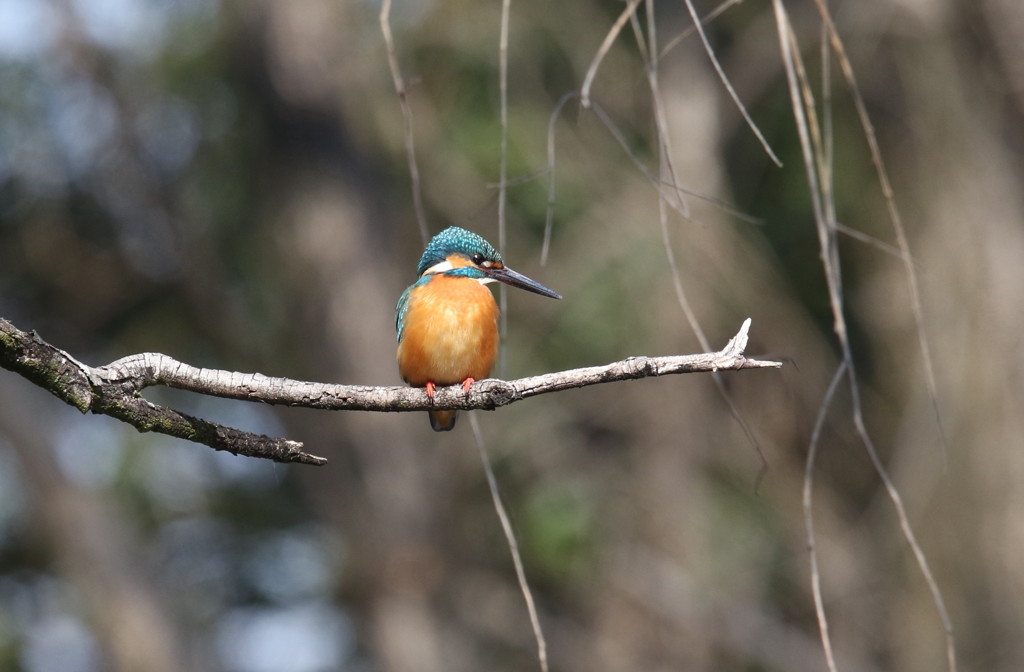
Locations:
{"points": [[510, 277]]}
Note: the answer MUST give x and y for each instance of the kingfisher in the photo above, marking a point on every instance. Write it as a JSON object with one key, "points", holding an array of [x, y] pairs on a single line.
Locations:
{"points": [[447, 321]]}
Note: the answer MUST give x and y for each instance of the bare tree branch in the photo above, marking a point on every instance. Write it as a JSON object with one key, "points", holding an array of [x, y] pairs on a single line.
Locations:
{"points": [[115, 389]]}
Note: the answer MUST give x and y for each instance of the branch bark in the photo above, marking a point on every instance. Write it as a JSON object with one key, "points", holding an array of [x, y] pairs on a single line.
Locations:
{"points": [[115, 389]]}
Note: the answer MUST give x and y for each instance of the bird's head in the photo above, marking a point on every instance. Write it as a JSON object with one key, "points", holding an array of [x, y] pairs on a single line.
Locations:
{"points": [[459, 252]]}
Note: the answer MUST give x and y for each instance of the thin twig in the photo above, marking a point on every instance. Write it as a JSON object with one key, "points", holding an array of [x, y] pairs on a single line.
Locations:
{"points": [[728, 85], [513, 546], [668, 173], [894, 217], [812, 151], [506, 7], [706, 19], [550, 212], [492, 483], [862, 237], [808, 496], [403, 102], [602, 51], [825, 168], [665, 191]]}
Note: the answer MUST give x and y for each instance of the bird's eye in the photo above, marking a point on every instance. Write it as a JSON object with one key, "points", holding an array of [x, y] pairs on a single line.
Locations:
{"points": [[477, 259]]}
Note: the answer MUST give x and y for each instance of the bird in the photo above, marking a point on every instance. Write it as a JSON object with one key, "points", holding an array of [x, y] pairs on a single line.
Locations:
{"points": [[447, 321]]}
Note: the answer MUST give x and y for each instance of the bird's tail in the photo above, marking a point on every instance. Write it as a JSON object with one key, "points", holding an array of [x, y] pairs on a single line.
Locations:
{"points": [[443, 421]]}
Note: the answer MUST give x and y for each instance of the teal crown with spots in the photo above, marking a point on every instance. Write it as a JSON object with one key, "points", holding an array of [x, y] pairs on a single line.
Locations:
{"points": [[454, 240]]}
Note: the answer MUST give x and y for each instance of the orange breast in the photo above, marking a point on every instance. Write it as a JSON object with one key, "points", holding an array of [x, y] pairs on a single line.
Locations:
{"points": [[450, 332]]}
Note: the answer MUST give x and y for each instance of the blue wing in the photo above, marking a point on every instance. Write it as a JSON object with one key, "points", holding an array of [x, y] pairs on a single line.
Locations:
{"points": [[403, 305]]}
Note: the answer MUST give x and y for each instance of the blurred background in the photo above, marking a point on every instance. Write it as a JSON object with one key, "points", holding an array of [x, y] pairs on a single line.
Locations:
{"points": [[225, 181]]}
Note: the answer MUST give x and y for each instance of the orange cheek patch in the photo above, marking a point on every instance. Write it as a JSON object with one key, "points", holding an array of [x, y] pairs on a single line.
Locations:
{"points": [[458, 261]]}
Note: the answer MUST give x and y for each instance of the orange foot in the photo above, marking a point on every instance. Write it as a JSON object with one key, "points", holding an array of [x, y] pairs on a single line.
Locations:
{"points": [[430, 389], [467, 383]]}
